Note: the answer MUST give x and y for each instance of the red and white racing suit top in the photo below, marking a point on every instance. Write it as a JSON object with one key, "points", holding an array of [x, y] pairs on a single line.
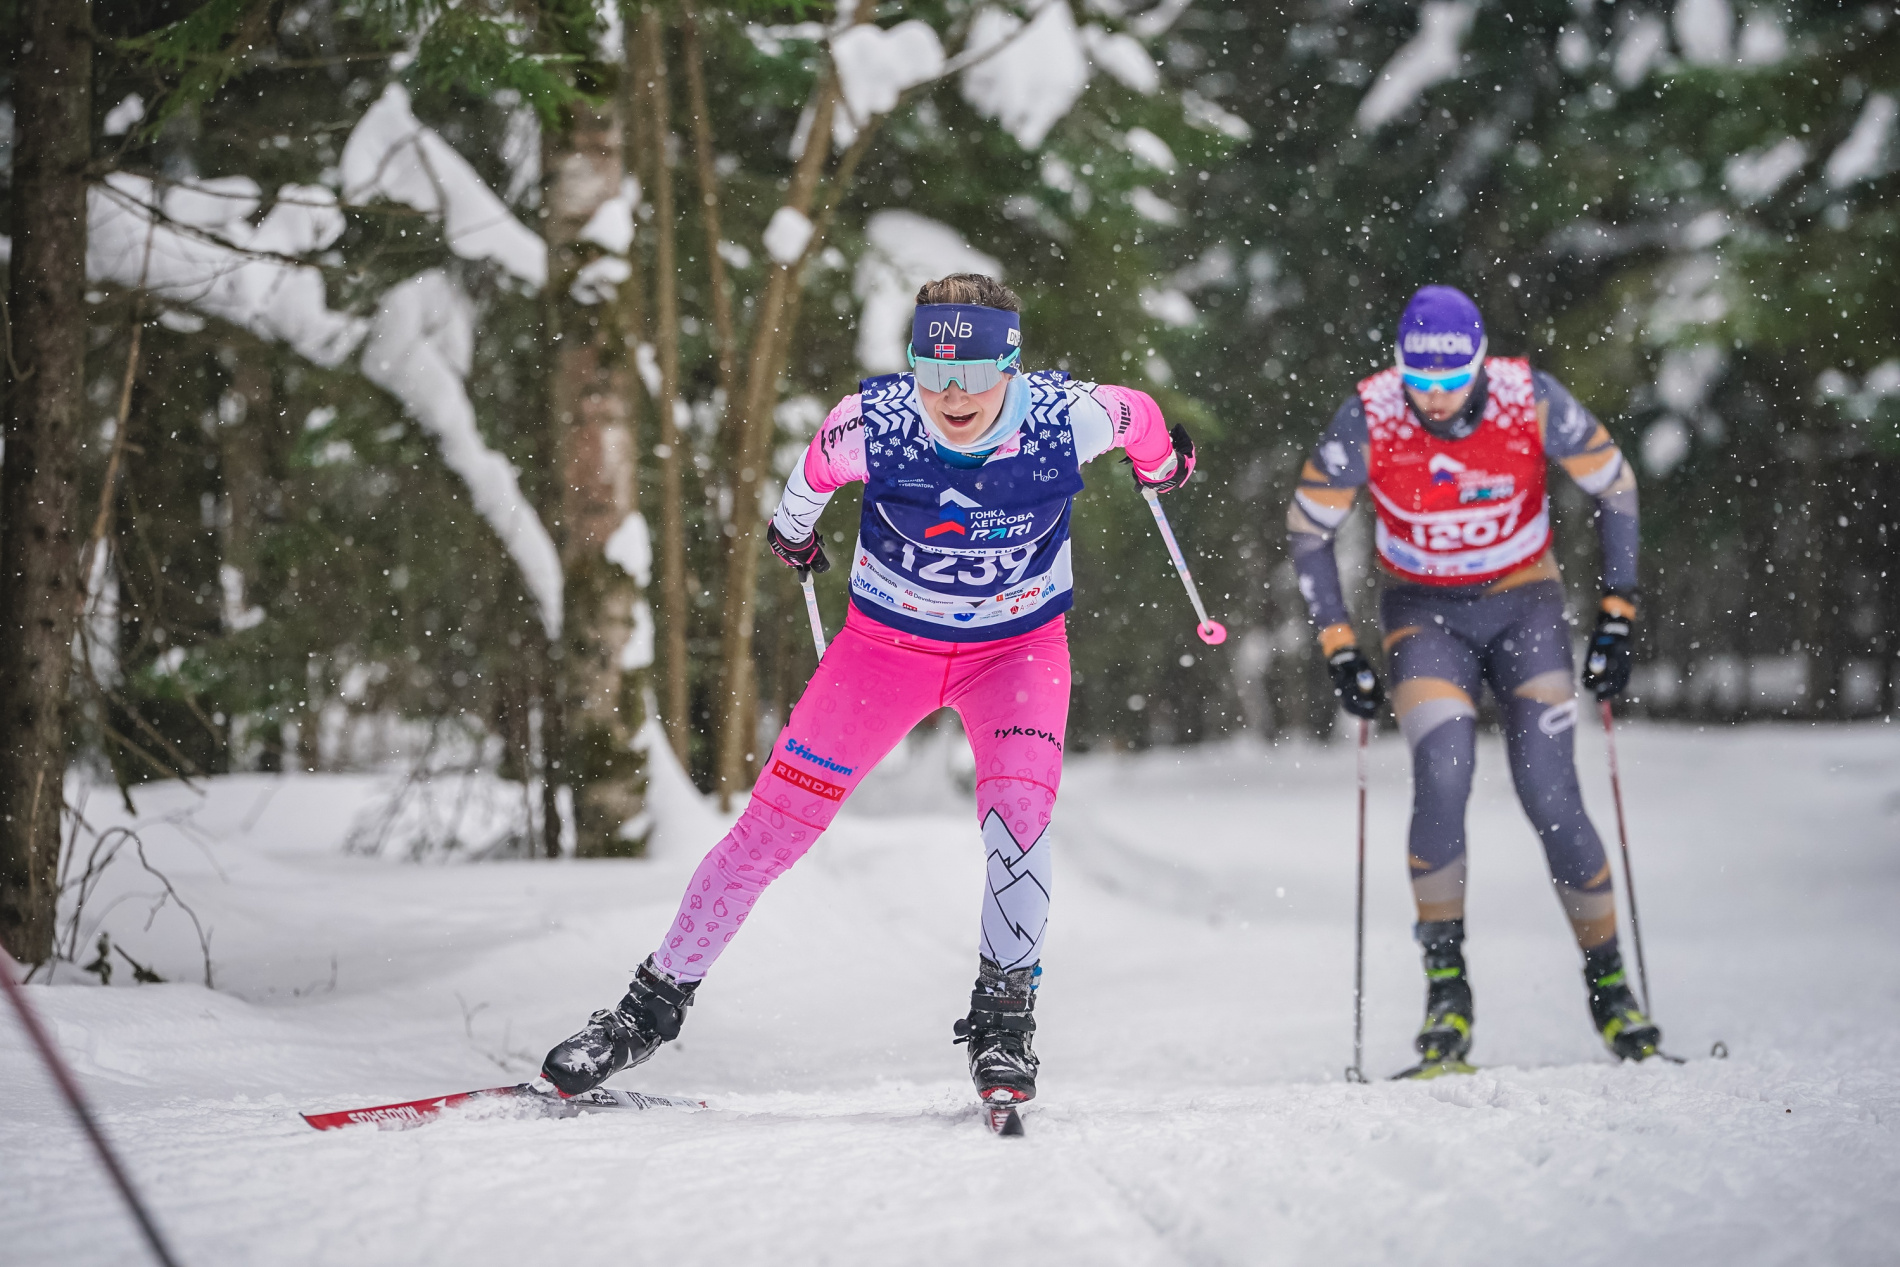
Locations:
{"points": [[1458, 512]]}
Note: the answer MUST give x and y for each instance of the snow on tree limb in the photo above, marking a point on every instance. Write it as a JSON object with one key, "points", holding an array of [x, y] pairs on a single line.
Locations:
{"points": [[420, 348], [1123, 57], [786, 235], [1862, 153], [191, 244], [393, 155], [875, 66], [1429, 57], [905, 251], [1035, 78], [631, 549]]}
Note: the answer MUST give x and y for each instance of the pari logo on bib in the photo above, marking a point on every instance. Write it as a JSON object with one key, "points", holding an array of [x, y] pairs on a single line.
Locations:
{"points": [[955, 509]]}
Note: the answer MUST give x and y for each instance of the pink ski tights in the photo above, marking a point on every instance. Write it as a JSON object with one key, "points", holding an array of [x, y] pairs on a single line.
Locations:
{"points": [[873, 685]]}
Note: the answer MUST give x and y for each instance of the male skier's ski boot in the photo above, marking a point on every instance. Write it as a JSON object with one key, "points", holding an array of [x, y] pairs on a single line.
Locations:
{"points": [[624, 1036], [1445, 1037], [1626, 1031], [999, 1028]]}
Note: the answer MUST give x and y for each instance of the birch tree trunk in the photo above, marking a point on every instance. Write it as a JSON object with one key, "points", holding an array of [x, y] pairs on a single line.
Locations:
{"points": [[40, 588], [654, 106], [601, 686], [725, 341], [737, 703], [770, 338]]}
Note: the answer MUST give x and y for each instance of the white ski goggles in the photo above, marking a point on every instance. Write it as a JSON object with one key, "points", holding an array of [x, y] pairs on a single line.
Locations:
{"points": [[974, 377]]}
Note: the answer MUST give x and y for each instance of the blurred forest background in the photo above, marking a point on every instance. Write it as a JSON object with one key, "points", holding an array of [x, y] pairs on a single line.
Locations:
{"points": [[441, 360]]}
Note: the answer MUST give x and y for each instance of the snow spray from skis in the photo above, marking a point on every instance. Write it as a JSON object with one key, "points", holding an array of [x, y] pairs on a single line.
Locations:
{"points": [[1212, 632], [69, 1088], [811, 609]]}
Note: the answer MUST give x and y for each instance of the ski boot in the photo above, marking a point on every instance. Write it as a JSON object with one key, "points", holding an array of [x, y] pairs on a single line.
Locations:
{"points": [[650, 1014], [1445, 1037], [1626, 1031], [998, 1029]]}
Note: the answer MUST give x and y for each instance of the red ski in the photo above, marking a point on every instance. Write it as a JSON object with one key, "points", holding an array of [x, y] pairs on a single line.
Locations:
{"points": [[1003, 1119], [538, 1102]]}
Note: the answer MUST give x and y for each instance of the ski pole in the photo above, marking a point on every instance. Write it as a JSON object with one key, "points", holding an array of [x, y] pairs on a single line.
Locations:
{"points": [[1212, 632], [811, 609], [1355, 1072], [1623, 836], [69, 1088]]}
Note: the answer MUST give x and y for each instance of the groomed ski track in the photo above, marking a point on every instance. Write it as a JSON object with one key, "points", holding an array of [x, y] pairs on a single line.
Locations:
{"points": [[1196, 1015]]}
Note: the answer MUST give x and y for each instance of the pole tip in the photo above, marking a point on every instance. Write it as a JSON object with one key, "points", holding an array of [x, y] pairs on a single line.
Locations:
{"points": [[1212, 632]]}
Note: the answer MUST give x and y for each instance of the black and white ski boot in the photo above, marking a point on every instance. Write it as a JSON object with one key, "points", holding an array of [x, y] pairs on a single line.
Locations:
{"points": [[1444, 1039], [999, 1028], [624, 1036], [1628, 1033]]}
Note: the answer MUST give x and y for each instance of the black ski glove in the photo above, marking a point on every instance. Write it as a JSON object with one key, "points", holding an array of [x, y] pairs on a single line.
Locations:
{"points": [[1183, 464], [1606, 666], [806, 555], [1355, 682]]}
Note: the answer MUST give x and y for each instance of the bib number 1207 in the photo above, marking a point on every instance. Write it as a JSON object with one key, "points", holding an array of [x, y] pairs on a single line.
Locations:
{"points": [[1459, 536]]}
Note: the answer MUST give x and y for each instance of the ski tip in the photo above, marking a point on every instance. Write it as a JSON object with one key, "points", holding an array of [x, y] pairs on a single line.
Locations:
{"points": [[1007, 1122], [1433, 1069]]}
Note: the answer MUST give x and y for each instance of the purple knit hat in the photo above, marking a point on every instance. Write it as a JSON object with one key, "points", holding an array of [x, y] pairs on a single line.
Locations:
{"points": [[1441, 330]]}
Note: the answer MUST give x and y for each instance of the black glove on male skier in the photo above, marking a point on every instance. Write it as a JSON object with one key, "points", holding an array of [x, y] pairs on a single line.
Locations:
{"points": [[807, 555], [1606, 665], [1355, 682]]}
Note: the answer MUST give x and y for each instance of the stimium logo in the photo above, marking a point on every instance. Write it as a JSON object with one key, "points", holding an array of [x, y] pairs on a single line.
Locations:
{"points": [[798, 749]]}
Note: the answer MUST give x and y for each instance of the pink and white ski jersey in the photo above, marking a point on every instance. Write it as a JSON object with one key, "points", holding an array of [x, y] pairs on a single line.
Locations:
{"points": [[960, 547]]}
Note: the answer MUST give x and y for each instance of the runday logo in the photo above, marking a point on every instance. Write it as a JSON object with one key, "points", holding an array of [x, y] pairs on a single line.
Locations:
{"points": [[810, 782], [798, 749]]}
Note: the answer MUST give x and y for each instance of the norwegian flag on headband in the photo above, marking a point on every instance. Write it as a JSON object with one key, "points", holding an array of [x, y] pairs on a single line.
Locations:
{"points": [[965, 332]]}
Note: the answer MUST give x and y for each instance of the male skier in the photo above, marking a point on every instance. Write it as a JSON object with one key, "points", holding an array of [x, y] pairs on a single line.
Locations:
{"points": [[1453, 445]]}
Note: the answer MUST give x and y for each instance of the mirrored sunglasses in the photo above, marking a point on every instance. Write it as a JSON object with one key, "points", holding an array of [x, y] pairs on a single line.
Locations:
{"points": [[1446, 381], [973, 376]]}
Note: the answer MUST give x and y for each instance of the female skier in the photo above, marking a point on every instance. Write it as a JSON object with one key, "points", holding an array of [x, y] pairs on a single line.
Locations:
{"points": [[959, 581], [1453, 444]]}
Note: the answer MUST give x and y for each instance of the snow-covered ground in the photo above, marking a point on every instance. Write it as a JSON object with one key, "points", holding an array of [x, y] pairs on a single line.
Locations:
{"points": [[1195, 1015]]}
